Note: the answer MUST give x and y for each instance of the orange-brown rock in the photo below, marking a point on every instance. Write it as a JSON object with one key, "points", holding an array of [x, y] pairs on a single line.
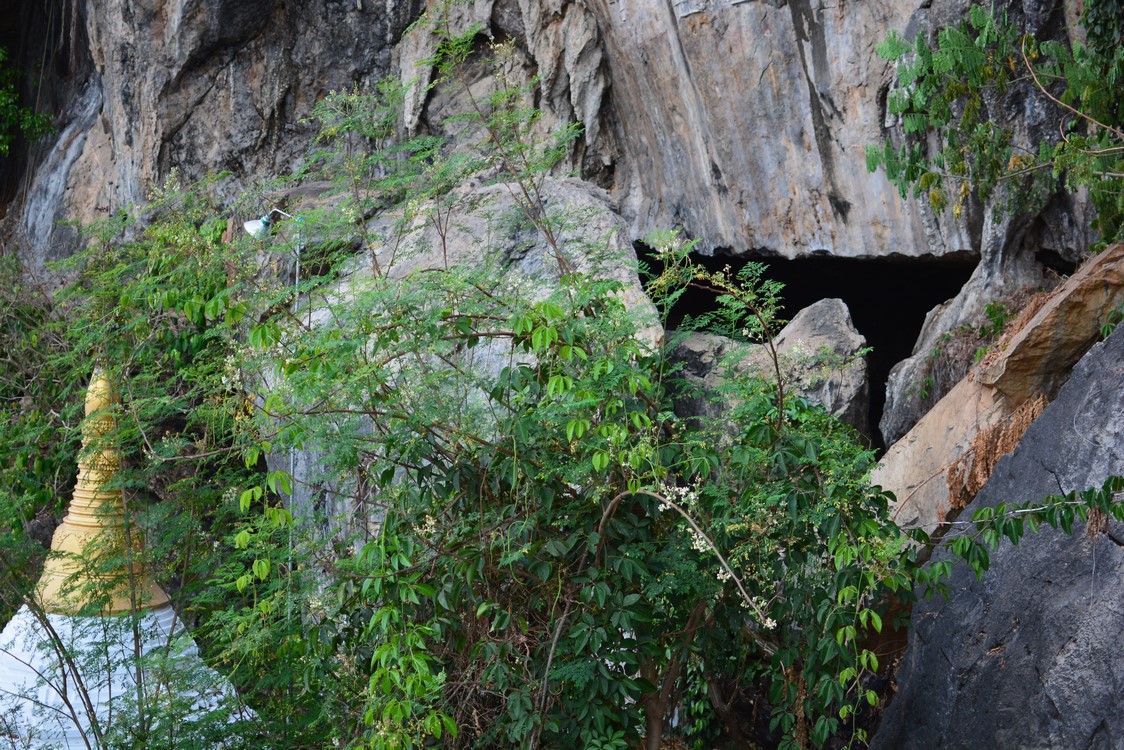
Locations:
{"points": [[956, 444]]}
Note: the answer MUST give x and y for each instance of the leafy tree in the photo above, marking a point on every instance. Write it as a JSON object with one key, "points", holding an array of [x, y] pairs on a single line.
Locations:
{"points": [[955, 91], [550, 546]]}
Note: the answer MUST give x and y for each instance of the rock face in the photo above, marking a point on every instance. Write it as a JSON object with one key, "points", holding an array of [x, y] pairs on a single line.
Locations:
{"points": [[820, 353], [201, 86], [485, 227], [940, 464], [742, 122], [1028, 657], [1011, 245], [1008, 265]]}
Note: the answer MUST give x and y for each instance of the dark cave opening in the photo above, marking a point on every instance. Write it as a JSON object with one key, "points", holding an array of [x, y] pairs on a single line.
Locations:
{"points": [[48, 57], [888, 299]]}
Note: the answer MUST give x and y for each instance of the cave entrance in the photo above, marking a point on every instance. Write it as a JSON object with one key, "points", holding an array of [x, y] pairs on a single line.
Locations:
{"points": [[888, 299]]}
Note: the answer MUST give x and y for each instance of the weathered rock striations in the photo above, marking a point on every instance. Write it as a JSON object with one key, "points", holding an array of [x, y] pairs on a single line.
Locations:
{"points": [[1028, 656], [202, 87], [937, 467], [743, 122]]}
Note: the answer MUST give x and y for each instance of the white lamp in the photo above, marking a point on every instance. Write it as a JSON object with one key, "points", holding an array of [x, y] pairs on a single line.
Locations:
{"points": [[259, 228]]}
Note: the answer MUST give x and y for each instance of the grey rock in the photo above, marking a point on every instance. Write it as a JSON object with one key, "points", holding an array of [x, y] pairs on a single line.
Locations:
{"points": [[1008, 264], [201, 87], [813, 349], [1028, 657], [484, 228], [742, 122]]}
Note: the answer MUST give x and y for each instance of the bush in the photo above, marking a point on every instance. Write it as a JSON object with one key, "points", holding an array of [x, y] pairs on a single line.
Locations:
{"points": [[956, 90]]}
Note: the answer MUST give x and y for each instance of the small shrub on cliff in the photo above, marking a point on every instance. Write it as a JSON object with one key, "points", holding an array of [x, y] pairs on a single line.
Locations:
{"points": [[956, 91], [15, 118]]}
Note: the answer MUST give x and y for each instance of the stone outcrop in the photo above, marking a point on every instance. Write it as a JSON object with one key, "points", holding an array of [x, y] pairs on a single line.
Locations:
{"points": [[1011, 244], [487, 226], [484, 228], [742, 122], [1028, 656], [821, 356], [558, 42], [940, 463], [201, 86], [1008, 265]]}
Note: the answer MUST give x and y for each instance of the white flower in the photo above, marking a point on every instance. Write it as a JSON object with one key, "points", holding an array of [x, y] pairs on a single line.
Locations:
{"points": [[698, 542]]}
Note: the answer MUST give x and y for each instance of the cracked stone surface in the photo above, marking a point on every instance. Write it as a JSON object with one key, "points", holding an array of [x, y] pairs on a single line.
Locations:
{"points": [[819, 353], [1028, 656], [742, 122], [1027, 363]]}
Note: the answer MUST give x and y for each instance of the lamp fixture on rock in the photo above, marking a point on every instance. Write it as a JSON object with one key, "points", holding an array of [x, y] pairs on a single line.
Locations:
{"points": [[259, 228]]}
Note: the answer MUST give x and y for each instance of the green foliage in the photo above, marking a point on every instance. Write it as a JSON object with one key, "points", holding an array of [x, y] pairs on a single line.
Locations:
{"points": [[15, 118], [553, 544], [956, 91], [998, 315], [990, 526], [39, 408], [1114, 317]]}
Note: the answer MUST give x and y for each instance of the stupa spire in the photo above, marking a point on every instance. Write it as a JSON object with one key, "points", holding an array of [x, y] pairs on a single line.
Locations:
{"points": [[94, 527]]}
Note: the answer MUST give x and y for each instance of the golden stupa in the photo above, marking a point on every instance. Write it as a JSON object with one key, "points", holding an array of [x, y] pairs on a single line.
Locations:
{"points": [[104, 619], [95, 528]]}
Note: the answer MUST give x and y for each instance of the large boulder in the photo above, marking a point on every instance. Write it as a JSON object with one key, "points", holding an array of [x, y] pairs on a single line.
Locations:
{"points": [[485, 228], [938, 466], [821, 355], [1028, 657]]}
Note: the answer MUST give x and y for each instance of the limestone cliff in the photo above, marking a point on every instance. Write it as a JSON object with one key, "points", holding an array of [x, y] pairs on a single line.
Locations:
{"points": [[743, 122]]}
